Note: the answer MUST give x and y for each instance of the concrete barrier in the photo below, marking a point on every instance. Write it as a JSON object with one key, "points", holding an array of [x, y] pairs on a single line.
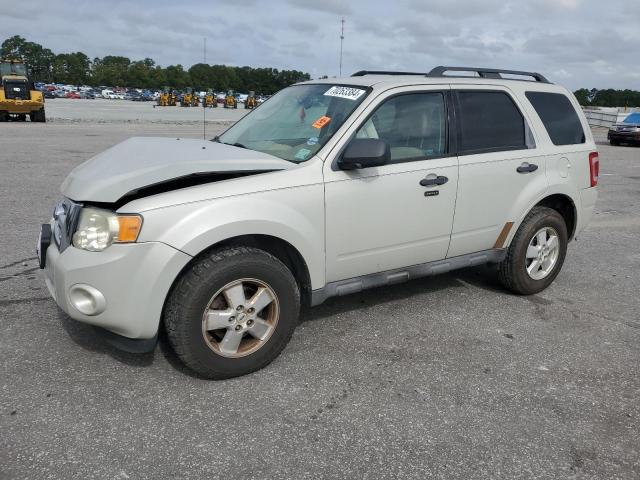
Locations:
{"points": [[605, 117], [601, 118]]}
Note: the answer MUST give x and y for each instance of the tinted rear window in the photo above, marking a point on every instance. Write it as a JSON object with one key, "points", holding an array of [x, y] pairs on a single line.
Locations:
{"points": [[558, 116], [489, 122]]}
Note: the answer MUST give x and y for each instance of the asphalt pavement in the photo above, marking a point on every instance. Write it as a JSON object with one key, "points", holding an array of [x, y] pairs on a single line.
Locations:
{"points": [[449, 377]]}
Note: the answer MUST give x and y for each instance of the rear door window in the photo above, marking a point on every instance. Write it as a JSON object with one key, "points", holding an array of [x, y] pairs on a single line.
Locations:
{"points": [[558, 116], [489, 121]]}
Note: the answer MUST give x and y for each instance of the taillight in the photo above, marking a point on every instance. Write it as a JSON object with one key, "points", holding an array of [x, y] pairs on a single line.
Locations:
{"points": [[594, 168]]}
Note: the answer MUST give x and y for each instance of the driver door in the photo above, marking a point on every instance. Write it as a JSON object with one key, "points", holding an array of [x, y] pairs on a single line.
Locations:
{"points": [[383, 218]]}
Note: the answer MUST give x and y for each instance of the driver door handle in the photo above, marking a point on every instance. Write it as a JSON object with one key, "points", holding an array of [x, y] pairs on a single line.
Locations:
{"points": [[527, 168], [433, 180]]}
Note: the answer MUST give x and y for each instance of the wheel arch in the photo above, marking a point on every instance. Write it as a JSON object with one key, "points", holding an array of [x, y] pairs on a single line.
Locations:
{"points": [[561, 203], [566, 207], [279, 248]]}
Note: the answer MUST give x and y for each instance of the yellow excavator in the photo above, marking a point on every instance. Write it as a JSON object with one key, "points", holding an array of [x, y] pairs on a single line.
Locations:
{"points": [[251, 102], [18, 96], [195, 99], [230, 100]]}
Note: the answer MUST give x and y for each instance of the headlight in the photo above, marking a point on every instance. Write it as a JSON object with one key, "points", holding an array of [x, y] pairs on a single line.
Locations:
{"points": [[98, 229]]}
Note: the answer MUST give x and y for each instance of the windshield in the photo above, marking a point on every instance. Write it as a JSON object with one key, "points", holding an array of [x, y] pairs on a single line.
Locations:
{"points": [[633, 118], [8, 68], [296, 122]]}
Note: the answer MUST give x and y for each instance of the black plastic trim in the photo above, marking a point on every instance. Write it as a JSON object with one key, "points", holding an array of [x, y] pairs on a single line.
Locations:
{"points": [[399, 275], [130, 345], [362, 73], [495, 73]]}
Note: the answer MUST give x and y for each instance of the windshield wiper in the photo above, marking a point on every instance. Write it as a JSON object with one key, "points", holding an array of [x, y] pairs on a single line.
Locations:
{"points": [[236, 145]]}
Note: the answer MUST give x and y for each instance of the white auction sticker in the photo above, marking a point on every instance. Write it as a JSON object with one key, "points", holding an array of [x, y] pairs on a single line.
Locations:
{"points": [[349, 93]]}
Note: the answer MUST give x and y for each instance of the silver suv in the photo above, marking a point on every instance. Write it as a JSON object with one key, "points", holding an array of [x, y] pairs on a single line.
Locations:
{"points": [[328, 188]]}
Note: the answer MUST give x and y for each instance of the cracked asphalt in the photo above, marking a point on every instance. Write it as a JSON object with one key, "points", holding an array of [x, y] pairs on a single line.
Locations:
{"points": [[448, 377]]}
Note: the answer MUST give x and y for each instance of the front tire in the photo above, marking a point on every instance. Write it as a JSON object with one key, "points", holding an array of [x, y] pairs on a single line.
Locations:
{"points": [[536, 253], [232, 312], [38, 116]]}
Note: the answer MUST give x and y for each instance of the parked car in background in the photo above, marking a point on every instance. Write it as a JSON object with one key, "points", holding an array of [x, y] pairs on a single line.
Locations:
{"points": [[74, 95], [626, 132], [48, 94]]}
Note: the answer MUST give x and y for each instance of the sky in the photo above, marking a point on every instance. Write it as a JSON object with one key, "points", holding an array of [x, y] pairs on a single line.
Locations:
{"points": [[577, 43]]}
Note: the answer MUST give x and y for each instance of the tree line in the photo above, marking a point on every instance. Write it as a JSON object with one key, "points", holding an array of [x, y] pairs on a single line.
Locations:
{"points": [[116, 71], [608, 98]]}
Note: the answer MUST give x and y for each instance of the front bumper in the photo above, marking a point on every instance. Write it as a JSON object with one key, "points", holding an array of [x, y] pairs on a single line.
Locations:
{"points": [[20, 106], [133, 279], [623, 136]]}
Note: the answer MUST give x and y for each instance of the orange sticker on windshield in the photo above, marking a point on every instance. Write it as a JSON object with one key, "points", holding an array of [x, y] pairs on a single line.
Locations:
{"points": [[321, 122]]}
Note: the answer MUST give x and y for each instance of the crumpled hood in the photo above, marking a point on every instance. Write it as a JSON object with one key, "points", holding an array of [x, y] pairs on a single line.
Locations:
{"points": [[144, 161]]}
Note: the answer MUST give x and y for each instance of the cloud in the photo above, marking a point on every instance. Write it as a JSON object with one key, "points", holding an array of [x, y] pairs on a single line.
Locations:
{"points": [[575, 42]]}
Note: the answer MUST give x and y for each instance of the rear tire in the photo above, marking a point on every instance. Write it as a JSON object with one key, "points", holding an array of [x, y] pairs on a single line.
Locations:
{"points": [[4, 117], [197, 303], [518, 272], [614, 143]]}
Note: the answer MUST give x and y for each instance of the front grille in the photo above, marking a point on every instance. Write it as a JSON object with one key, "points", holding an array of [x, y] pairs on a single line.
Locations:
{"points": [[16, 90], [65, 220]]}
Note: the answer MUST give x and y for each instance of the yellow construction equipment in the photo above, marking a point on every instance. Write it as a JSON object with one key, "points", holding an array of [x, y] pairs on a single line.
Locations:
{"points": [[230, 101], [18, 97], [186, 99], [167, 98], [250, 102], [210, 100], [195, 99], [163, 99]]}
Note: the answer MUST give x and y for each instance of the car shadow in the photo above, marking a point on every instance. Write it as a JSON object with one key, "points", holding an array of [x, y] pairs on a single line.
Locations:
{"points": [[483, 277]]}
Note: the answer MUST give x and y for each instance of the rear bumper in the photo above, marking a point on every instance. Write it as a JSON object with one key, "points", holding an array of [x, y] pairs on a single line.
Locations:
{"points": [[131, 281], [588, 198]]}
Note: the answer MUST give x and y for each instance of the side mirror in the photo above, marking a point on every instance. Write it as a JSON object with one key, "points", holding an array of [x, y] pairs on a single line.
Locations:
{"points": [[364, 153]]}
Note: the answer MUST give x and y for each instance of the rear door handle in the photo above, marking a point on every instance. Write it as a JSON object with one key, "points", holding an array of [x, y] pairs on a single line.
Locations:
{"points": [[432, 180], [527, 168]]}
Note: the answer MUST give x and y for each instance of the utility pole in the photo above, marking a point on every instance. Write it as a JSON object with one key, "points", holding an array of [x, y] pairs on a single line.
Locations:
{"points": [[341, 42]]}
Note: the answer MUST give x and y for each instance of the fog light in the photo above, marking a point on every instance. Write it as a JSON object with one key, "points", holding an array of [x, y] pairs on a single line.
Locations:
{"points": [[87, 299]]}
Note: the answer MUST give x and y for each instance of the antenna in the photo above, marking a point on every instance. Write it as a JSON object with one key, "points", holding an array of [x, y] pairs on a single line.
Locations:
{"points": [[341, 42], [204, 103]]}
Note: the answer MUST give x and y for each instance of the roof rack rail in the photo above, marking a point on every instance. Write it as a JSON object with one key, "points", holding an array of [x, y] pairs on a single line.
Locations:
{"points": [[362, 73], [486, 73]]}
